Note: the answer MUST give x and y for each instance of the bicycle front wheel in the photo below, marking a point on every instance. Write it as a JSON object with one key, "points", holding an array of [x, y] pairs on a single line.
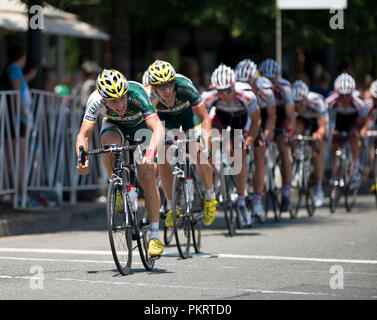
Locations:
{"points": [[296, 189], [143, 232], [336, 187], [181, 218], [120, 234], [227, 203]]}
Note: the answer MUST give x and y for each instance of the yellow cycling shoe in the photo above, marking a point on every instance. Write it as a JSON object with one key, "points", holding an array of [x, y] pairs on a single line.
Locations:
{"points": [[169, 223], [373, 187], [209, 214], [118, 204], [155, 247]]}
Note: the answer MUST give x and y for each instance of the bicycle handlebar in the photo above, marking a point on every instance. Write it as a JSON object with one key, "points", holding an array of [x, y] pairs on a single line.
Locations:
{"points": [[106, 149]]}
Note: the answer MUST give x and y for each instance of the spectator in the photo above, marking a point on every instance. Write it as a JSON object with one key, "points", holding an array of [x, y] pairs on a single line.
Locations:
{"points": [[90, 71], [16, 80]]}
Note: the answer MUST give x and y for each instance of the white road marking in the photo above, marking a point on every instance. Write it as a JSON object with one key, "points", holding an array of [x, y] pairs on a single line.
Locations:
{"points": [[149, 284], [203, 255]]}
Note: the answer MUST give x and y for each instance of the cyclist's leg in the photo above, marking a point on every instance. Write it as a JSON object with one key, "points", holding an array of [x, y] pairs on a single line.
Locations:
{"points": [[286, 165], [259, 173], [192, 126]]}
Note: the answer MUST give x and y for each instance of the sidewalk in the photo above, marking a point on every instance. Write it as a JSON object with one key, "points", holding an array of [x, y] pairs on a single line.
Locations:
{"points": [[66, 217]]}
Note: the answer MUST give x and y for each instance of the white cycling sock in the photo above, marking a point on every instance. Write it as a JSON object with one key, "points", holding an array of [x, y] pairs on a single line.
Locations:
{"points": [[169, 204], [155, 231], [209, 195]]}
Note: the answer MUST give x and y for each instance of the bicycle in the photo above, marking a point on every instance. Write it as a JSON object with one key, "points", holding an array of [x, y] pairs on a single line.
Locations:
{"points": [[227, 189], [341, 178], [131, 223], [271, 193], [373, 134], [301, 185], [187, 199]]}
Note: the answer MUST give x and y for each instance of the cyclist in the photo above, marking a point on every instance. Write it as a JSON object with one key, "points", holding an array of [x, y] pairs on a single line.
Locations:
{"points": [[248, 78], [285, 121], [235, 108], [127, 108], [351, 116], [312, 114], [371, 101], [178, 103]]}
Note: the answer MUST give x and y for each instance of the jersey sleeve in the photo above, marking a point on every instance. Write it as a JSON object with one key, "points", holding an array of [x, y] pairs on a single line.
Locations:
{"points": [[288, 96], [186, 87], [141, 99], [93, 107], [269, 98], [250, 101]]}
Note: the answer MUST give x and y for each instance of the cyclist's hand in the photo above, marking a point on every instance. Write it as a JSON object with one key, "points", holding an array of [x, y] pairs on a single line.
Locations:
{"points": [[83, 169], [316, 135], [148, 157], [248, 142]]}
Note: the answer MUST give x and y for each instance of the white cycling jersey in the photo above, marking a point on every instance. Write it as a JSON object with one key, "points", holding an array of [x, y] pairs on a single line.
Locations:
{"points": [[243, 101], [265, 95]]}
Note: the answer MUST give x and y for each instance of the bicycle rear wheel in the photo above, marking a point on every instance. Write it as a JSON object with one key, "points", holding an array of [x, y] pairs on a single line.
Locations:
{"points": [[143, 232], [197, 231], [120, 235], [181, 219], [350, 197]]}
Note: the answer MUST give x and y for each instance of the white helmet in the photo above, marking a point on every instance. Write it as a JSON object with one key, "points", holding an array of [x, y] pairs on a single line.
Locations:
{"points": [[111, 84], [269, 68], [373, 89], [299, 90], [246, 70], [344, 83], [223, 77]]}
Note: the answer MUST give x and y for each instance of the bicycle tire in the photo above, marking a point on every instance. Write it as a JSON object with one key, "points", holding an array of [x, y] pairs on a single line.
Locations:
{"points": [[120, 236], [297, 192], [182, 221], [350, 197], [143, 231], [375, 175], [197, 231], [227, 204], [309, 201], [197, 218]]}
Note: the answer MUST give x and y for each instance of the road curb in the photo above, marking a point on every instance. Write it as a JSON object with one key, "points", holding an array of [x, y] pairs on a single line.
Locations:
{"points": [[67, 217]]}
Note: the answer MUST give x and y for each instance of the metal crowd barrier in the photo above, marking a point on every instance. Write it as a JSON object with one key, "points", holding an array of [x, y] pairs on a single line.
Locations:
{"points": [[9, 143], [50, 163]]}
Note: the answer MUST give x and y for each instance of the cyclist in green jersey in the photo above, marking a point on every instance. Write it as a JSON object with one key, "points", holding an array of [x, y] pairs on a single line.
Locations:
{"points": [[178, 103], [127, 109]]}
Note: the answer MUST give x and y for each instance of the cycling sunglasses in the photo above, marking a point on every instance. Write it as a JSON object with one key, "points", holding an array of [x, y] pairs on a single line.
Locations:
{"points": [[166, 85]]}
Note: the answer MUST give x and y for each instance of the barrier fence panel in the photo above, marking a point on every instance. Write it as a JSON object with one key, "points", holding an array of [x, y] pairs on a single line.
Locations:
{"points": [[50, 163], [9, 143]]}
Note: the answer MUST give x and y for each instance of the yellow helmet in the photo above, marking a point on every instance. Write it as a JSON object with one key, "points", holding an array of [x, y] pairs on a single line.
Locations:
{"points": [[160, 72], [111, 84]]}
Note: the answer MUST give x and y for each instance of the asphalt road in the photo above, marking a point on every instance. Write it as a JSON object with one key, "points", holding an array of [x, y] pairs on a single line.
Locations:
{"points": [[323, 257]]}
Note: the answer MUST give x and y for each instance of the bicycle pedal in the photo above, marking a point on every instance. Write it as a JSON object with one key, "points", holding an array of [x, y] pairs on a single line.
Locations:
{"points": [[154, 258]]}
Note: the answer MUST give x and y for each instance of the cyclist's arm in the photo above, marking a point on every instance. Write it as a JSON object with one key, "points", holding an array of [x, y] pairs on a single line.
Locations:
{"points": [[157, 140], [270, 122], [321, 123], [364, 126], [82, 139], [206, 124], [254, 128], [291, 118]]}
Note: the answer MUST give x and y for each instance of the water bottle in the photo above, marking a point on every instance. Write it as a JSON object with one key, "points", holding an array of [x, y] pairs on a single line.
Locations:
{"points": [[190, 189], [131, 189]]}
